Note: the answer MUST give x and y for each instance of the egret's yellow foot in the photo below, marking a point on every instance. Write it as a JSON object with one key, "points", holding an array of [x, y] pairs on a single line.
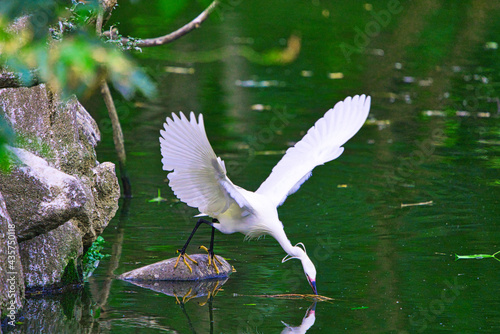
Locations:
{"points": [[184, 256], [185, 298], [211, 293], [210, 261]]}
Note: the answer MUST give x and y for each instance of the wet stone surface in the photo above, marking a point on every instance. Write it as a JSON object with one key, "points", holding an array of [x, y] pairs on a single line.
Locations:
{"points": [[165, 271]]}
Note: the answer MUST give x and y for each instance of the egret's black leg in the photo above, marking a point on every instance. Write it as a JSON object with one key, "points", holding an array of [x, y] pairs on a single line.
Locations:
{"points": [[198, 223], [182, 251], [210, 251]]}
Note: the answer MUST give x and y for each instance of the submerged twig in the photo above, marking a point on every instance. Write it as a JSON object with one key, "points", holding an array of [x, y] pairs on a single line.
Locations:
{"points": [[403, 205], [317, 298]]}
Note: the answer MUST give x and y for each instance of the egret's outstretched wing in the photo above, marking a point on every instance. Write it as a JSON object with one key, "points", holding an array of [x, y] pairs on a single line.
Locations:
{"points": [[322, 143], [199, 176]]}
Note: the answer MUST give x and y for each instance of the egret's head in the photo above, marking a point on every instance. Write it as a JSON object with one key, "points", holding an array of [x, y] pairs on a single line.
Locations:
{"points": [[309, 268]]}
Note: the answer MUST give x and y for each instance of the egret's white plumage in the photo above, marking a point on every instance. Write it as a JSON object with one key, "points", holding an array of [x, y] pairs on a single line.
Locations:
{"points": [[199, 177]]}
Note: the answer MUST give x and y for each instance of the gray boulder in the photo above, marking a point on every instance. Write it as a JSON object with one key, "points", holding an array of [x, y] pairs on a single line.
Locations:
{"points": [[51, 258], [58, 196], [11, 271], [61, 137], [49, 197]]}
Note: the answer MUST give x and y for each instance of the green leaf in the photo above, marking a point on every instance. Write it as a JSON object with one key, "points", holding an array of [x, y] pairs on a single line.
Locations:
{"points": [[92, 257], [74, 61], [6, 138]]}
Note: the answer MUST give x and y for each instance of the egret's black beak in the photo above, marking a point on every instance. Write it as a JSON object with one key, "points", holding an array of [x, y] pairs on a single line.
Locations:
{"points": [[311, 310], [313, 285]]}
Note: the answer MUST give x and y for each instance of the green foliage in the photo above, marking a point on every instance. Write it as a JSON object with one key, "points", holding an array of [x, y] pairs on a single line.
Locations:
{"points": [[96, 313], [70, 274], [59, 44], [43, 13], [91, 259], [6, 138]]}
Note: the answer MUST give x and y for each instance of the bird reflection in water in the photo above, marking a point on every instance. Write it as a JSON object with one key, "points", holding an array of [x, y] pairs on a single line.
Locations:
{"points": [[307, 322], [184, 291], [204, 292]]}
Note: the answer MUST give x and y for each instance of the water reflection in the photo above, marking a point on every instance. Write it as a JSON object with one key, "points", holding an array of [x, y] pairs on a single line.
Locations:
{"points": [[186, 290], [307, 322]]}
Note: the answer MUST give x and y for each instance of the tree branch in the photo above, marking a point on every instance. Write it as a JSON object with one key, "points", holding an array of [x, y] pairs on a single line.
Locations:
{"points": [[194, 24], [113, 115], [117, 139]]}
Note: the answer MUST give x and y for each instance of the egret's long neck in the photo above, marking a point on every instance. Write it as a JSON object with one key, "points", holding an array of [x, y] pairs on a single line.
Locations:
{"points": [[287, 246]]}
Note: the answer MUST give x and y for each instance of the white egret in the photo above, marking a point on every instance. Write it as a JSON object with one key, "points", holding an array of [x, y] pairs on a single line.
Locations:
{"points": [[199, 177]]}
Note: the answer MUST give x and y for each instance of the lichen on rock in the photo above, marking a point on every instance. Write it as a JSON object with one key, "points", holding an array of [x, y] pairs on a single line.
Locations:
{"points": [[45, 257]]}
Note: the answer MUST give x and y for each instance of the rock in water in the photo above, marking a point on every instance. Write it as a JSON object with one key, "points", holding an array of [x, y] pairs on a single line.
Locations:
{"points": [[165, 271]]}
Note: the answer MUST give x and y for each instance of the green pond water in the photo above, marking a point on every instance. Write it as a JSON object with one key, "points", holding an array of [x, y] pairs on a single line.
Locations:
{"points": [[418, 184]]}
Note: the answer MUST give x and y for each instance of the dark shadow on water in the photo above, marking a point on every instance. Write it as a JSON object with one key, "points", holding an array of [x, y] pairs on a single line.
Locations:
{"points": [[69, 312]]}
